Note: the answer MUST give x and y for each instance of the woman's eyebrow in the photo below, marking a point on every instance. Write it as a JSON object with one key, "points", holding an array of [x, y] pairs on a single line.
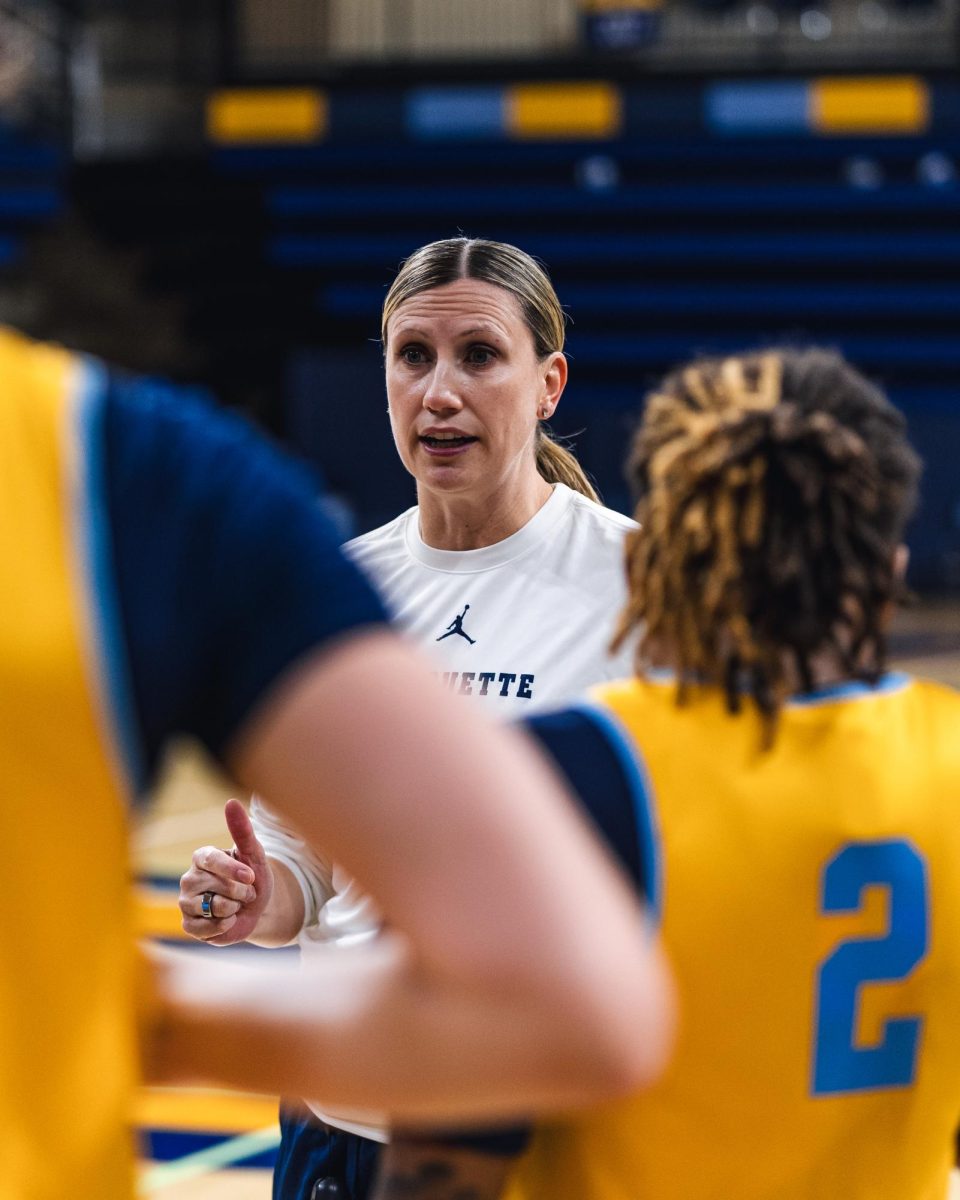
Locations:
{"points": [[490, 331], [484, 330]]}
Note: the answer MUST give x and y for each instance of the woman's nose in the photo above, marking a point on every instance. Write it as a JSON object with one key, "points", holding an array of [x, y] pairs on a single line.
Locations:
{"points": [[441, 393]]}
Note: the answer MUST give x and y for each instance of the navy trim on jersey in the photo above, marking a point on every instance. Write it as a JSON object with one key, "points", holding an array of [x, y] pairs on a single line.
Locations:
{"points": [[606, 771], [94, 546]]}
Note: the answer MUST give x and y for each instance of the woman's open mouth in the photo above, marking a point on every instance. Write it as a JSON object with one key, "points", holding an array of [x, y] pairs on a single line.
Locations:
{"points": [[444, 444]]}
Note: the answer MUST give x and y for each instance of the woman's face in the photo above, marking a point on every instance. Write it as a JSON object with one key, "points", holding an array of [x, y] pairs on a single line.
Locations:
{"points": [[466, 389]]}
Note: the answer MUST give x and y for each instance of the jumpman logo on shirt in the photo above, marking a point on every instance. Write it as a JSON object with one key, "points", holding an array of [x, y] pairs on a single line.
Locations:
{"points": [[456, 626]]}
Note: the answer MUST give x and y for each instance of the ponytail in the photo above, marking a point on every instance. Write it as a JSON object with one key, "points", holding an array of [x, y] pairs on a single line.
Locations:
{"points": [[557, 464]]}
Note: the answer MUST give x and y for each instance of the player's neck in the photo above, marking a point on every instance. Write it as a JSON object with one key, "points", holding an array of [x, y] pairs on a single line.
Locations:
{"points": [[826, 669]]}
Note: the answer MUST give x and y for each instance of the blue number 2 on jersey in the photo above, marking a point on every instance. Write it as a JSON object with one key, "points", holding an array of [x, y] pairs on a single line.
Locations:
{"points": [[839, 1064]]}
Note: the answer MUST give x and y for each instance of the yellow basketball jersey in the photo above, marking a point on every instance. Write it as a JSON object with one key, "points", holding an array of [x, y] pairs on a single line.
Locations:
{"points": [[67, 1047], [811, 910]]}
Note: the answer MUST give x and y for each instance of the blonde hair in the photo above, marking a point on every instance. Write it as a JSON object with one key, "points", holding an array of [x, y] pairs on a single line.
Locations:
{"points": [[510, 268]]}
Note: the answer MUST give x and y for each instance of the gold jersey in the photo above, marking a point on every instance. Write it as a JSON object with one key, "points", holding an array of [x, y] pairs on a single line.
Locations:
{"points": [[67, 1045], [810, 906]]}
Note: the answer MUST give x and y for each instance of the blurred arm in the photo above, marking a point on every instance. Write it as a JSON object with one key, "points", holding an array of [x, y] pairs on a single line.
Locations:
{"points": [[499, 997]]}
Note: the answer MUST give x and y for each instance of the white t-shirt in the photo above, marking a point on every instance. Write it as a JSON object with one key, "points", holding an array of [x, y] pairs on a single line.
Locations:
{"points": [[518, 626]]}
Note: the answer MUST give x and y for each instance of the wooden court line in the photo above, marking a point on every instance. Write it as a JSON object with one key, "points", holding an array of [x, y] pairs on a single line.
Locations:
{"points": [[247, 1123]]}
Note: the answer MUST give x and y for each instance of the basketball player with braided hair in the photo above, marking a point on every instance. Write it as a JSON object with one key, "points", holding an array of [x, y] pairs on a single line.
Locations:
{"points": [[787, 804], [772, 486]]}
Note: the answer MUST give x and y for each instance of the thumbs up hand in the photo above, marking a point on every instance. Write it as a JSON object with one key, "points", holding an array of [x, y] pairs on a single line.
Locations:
{"points": [[225, 892]]}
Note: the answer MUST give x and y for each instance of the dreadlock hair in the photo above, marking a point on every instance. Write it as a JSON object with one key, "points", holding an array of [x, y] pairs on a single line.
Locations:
{"points": [[774, 488], [515, 271]]}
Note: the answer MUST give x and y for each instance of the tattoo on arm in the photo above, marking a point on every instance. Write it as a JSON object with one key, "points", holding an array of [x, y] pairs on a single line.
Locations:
{"points": [[414, 1169]]}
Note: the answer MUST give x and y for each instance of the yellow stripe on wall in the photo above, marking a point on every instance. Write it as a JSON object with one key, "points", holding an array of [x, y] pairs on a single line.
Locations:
{"points": [[892, 104], [267, 115], [564, 110]]}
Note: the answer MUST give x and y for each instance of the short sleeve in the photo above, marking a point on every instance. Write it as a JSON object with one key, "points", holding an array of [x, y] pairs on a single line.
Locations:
{"points": [[227, 569]]}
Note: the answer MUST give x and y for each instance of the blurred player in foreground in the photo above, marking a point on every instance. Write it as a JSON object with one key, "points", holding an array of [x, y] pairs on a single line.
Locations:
{"points": [[163, 571], [788, 806]]}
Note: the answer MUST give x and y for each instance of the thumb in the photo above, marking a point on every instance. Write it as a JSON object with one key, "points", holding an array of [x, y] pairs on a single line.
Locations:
{"points": [[248, 850]]}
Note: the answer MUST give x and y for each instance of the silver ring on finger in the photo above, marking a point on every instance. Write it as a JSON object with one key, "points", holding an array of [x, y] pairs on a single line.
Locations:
{"points": [[206, 905]]}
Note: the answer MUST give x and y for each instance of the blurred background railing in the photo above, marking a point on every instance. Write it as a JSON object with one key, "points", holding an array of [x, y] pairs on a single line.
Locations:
{"points": [[302, 34]]}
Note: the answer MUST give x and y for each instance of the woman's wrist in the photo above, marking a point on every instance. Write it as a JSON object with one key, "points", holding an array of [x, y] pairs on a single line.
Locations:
{"points": [[282, 919]]}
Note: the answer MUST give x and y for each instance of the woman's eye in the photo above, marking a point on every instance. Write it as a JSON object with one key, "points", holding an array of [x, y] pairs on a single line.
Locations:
{"points": [[412, 355], [479, 355]]}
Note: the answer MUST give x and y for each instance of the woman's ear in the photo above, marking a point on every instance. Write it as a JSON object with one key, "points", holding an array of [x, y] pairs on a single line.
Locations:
{"points": [[554, 369]]}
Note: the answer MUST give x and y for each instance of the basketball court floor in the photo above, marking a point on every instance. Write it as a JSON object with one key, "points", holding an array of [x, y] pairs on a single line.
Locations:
{"points": [[195, 1145], [200, 1145]]}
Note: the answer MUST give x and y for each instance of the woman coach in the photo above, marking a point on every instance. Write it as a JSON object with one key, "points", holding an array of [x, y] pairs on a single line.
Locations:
{"points": [[507, 569]]}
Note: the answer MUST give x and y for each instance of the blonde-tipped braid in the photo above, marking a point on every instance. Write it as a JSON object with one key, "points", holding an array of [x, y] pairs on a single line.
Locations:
{"points": [[773, 490]]}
